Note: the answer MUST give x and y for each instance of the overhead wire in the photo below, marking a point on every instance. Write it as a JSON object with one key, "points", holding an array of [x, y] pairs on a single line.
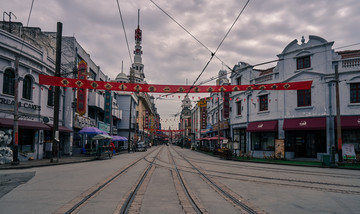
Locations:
{"points": [[212, 53], [122, 22]]}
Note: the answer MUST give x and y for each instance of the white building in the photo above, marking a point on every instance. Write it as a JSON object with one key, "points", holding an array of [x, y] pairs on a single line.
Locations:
{"points": [[303, 119]]}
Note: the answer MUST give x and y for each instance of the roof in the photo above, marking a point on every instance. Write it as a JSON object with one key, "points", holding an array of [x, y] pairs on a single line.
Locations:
{"points": [[349, 54], [265, 71]]}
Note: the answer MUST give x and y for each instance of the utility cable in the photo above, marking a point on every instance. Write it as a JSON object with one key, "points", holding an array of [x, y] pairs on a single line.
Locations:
{"points": [[202, 44], [122, 22], [32, 3], [212, 54]]}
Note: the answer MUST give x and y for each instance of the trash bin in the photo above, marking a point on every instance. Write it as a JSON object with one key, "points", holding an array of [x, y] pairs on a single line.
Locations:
{"points": [[325, 160]]}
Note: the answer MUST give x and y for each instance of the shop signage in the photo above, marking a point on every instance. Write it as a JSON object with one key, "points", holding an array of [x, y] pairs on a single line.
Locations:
{"points": [[303, 123], [348, 152], [104, 127], [81, 92], [260, 125], [82, 122], [21, 104], [280, 148], [107, 107]]}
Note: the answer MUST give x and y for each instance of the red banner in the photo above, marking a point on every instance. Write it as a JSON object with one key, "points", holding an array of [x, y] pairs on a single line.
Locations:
{"points": [[81, 93], [162, 130], [135, 87]]}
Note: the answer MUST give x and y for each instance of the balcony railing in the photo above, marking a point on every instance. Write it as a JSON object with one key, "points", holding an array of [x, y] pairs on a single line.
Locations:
{"points": [[350, 63]]}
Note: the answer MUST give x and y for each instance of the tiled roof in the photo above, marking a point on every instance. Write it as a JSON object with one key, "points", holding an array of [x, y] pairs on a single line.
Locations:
{"points": [[349, 54]]}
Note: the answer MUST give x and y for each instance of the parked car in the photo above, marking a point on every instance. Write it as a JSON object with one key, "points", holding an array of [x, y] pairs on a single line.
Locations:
{"points": [[140, 147]]}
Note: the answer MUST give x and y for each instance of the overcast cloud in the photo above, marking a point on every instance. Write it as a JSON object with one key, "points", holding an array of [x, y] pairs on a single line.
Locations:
{"points": [[170, 55]]}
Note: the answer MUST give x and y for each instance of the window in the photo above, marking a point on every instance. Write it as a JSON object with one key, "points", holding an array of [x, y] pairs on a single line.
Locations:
{"points": [[264, 141], [27, 87], [304, 98], [303, 62], [355, 93], [238, 81], [51, 92], [263, 103], [9, 82], [238, 108]]}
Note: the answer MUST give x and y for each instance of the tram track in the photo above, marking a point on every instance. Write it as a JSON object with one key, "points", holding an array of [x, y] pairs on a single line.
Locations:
{"points": [[197, 207], [273, 169], [75, 205], [323, 186], [226, 193]]}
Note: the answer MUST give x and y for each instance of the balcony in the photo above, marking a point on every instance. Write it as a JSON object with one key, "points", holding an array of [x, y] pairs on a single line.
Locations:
{"points": [[350, 64], [96, 100]]}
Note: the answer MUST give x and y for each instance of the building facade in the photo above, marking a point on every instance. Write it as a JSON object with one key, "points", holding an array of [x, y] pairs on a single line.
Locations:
{"points": [[303, 120]]}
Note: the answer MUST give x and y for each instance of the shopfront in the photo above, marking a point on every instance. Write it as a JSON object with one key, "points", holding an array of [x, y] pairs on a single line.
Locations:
{"points": [[305, 137], [350, 126], [263, 135], [30, 144], [239, 140]]}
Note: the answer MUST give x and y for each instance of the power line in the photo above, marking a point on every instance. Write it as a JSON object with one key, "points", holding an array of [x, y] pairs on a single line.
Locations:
{"points": [[213, 54], [32, 3], [122, 22], [202, 44]]}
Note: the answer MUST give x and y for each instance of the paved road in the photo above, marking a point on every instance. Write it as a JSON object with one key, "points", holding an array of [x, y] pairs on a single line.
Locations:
{"points": [[105, 186]]}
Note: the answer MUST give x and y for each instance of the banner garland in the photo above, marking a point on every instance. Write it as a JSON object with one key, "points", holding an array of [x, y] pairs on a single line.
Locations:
{"points": [[135, 87]]}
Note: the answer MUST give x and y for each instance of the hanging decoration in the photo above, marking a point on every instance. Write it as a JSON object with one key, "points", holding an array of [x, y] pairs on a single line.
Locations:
{"points": [[135, 87]]}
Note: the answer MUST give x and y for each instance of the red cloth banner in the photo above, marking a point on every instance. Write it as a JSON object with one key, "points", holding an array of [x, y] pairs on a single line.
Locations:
{"points": [[115, 86], [81, 93]]}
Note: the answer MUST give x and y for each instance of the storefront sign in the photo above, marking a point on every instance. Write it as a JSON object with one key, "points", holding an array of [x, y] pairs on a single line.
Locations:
{"points": [[104, 127], [280, 148], [107, 107], [302, 123], [21, 104], [82, 122], [348, 152], [81, 93]]}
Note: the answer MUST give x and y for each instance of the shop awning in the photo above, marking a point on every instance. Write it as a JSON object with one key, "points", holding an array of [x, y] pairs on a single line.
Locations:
{"points": [[350, 122], [23, 124], [318, 123], [61, 128], [263, 126]]}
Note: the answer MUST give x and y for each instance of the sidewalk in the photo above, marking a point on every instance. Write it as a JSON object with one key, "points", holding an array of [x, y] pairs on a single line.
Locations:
{"points": [[46, 162]]}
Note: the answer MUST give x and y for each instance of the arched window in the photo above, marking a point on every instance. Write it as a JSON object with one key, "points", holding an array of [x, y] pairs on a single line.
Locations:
{"points": [[9, 82], [27, 87], [51, 93]]}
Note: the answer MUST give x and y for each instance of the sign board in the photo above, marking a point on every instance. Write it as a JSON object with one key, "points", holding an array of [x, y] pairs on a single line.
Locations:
{"points": [[280, 148], [81, 92], [107, 107], [348, 152]]}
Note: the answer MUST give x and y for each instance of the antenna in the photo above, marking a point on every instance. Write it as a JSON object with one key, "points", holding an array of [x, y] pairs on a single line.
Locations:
{"points": [[138, 17]]}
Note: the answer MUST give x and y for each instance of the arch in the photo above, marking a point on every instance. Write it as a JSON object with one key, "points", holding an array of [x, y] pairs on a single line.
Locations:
{"points": [[9, 82], [28, 81]]}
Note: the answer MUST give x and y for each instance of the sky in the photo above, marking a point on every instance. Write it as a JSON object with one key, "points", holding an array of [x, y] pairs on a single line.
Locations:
{"points": [[170, 54]]}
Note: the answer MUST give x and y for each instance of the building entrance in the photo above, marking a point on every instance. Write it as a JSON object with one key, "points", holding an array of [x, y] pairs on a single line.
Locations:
{"points": [[306, 144]]}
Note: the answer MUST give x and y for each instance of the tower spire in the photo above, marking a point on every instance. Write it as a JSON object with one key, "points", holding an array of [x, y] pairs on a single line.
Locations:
{"points": [[138, 18]]}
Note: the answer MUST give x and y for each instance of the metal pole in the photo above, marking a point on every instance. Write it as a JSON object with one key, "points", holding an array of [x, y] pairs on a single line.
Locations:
{"points": [[56, 139], [218, 120], [338, 117], [129, 139], [16, 113]]}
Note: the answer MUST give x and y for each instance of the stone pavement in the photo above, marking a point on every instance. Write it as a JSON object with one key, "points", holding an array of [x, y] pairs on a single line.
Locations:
{"points": [[46, 162]]}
